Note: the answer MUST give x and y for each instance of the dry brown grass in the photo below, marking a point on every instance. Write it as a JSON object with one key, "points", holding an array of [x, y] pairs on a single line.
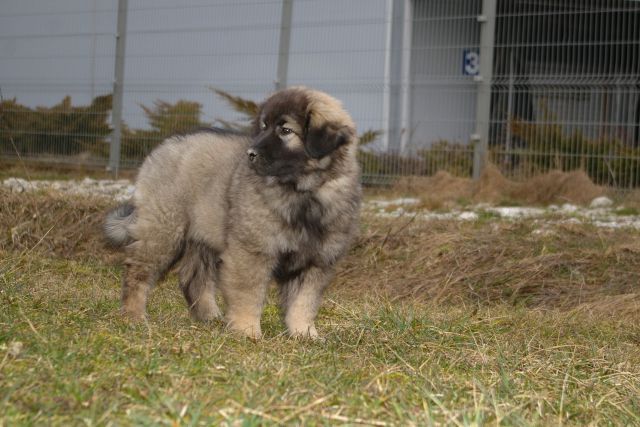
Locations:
{"points": [[52, 224], [445, 190], [48, 169], [487, 261], [521, 329], [574, 267]]}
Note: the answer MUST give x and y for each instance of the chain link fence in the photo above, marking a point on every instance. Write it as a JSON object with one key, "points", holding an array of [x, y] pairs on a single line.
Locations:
{"points": [[529, 85]]}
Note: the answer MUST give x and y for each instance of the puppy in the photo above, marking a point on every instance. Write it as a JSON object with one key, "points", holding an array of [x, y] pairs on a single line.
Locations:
{"points": [[236, 212]]}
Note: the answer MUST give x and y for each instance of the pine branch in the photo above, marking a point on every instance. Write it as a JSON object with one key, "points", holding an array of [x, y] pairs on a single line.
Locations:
{"points": [[242, 105], [250, 109], [369, 136]]}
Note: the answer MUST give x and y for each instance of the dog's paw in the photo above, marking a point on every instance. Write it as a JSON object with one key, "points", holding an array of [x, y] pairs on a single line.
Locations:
{"points": [[135, 316], [249, 330], [304, 332], [206, 313]]}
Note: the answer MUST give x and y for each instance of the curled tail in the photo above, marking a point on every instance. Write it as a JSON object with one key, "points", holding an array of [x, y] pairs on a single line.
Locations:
{"points": [[116, 225]]}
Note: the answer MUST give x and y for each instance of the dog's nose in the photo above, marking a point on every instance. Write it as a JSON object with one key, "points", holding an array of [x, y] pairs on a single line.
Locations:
{"points": [[252, 154]]}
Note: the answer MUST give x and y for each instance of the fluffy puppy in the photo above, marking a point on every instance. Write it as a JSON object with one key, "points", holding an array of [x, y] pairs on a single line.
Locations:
{"points": [[236, 212]]}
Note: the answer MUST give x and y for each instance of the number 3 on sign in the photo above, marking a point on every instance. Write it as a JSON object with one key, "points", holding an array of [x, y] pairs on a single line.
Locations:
{"points": [[471, 63]]}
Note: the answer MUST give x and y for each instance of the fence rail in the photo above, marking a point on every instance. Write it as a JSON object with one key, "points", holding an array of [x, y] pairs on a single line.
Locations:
{"points": [[562, 90]]}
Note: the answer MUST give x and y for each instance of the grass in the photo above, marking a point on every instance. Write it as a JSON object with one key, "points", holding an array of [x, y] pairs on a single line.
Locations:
{"points": [[627, 211], [490, 260], [380, 362], [426, 323]]}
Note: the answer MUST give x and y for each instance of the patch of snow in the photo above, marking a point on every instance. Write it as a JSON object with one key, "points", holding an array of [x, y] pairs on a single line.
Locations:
{"points": [[601, 202], [121, 190], [395, 202], [468, 216], [569, 208], [543, 232], [438, 216], [567, 214], [618, 223], [17, 185], [517, 212]]}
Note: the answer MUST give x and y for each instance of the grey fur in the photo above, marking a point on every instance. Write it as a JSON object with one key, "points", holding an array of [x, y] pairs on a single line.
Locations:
{"points": [[286, 212], [116, 223]]}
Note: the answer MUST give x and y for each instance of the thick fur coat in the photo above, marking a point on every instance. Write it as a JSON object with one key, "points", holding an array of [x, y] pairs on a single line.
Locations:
{"points": [[235, 212]]}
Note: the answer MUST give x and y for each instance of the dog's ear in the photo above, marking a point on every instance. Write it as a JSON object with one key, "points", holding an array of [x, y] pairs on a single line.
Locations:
{"points": [[323, 140]]}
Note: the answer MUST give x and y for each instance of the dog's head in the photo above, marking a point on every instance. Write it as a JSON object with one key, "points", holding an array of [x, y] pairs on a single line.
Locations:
{"points": [[298, 131]]}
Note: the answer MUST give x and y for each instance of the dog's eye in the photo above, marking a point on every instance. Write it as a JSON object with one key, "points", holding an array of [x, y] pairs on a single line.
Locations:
{"points": [[286, 131], [263, 125]]}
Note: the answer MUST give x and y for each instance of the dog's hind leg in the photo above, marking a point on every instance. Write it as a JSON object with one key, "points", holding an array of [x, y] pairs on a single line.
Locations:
{"points": [[149, 258], [198, 271], [138, 278]]}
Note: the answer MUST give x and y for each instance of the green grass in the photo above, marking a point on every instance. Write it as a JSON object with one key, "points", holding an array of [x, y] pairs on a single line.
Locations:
{"points": [[379, 362], [627, 211], [485, 215]]}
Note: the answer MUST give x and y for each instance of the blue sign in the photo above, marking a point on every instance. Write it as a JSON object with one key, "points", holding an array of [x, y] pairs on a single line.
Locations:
{"points": [[471, 62]]}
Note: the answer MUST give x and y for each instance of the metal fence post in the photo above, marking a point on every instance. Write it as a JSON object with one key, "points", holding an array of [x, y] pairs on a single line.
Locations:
{"points": [[116, 111], [483, 105], [396, 70], [283, 50]]}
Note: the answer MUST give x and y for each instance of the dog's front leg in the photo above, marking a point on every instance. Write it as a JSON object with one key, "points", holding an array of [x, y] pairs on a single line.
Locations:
{"points": [[301, 297], [243, 282]]}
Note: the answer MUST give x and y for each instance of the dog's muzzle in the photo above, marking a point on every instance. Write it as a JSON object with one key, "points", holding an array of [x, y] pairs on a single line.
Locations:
{"points": [[252, 154]]}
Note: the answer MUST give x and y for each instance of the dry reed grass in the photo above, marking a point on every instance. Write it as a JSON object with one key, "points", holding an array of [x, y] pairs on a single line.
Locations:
{"points": [[53, 224], [446, 190], [574, 267], [486, 261]]}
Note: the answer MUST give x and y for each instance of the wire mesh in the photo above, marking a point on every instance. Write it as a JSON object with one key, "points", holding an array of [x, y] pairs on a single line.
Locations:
{"points": [[565, 87]]}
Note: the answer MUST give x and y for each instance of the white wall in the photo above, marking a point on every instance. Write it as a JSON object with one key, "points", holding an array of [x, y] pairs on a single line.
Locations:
{"points": [[176, 50], [443, 99]]}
